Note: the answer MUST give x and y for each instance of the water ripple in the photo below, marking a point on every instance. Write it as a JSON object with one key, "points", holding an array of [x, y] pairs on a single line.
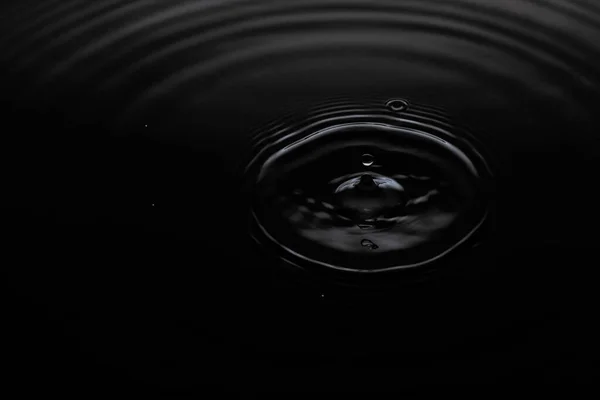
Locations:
{"points": [[179, 66], [393, 203]]}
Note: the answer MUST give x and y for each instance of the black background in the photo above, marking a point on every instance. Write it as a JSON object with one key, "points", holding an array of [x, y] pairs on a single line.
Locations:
{"points": [[127, 265]]}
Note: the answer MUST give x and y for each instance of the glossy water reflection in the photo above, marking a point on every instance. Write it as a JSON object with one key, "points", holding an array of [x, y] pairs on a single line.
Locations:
{"points": [[315, 197]]}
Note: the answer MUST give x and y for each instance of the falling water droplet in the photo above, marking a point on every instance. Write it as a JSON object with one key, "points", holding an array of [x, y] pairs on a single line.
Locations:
{"points": [[369, 244], [367, 160]]}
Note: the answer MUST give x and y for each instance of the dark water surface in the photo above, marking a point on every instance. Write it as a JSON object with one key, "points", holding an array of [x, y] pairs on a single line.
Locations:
{"points": [[283, 194]]}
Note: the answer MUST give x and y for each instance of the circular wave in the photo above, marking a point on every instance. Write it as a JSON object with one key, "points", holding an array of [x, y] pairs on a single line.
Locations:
{"points": [[159, 53], [189, 71], [366, 188]]}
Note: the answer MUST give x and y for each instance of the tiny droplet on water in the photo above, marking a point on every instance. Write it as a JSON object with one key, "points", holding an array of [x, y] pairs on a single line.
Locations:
{"points": [[367, 160], [397, 105]]}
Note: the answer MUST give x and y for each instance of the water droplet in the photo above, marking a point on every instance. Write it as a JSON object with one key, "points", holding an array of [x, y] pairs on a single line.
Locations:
{"points": [[367, 160], [369, 244], [315, 203], [397, 105]]}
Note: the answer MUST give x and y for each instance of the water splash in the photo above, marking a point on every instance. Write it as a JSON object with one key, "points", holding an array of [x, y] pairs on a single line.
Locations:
{"points": [[313, 201]]}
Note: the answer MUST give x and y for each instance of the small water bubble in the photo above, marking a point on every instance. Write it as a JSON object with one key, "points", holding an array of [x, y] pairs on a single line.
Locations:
{"points": [[367, 160], [397, 105], [369, 244]]}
